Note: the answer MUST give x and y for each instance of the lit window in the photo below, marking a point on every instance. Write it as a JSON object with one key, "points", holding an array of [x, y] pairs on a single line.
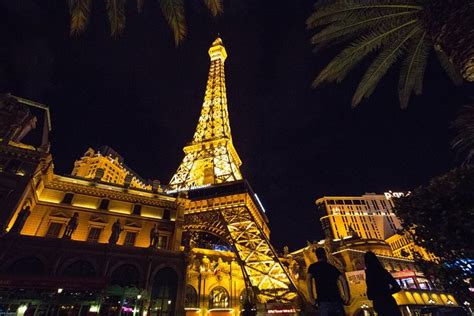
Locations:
{"points": [[130, 239], [54, 230], [162, 242], [94, 234]]}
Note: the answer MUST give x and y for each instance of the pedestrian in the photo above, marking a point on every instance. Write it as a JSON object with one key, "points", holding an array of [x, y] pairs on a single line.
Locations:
{"points": [[380, 286], [326, 277]]}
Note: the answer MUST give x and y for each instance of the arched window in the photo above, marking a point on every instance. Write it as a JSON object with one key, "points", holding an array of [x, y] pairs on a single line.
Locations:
{"points": [[218, 298], [80, 269], [26, 266], [125, 275], [163, 292], [245, 296], [190, 299]]}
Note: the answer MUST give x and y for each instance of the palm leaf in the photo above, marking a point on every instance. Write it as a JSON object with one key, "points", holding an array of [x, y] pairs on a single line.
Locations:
{"points": [[116, 13], [173, 11], [463, 142], [215, 6], [379, 67], [338, 68], [448, 67], [413, 68], [80, 12], [353, 25], [330, 11]]}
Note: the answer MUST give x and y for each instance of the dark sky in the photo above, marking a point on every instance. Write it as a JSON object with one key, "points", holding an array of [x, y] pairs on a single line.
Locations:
{"points": [[142, 95]]}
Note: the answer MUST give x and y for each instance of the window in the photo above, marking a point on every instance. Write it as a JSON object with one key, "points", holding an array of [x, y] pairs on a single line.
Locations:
{"points": [[190, 297], [94, 234], [130, 239], [166, 214], [104, 204], [54, 229], [162, 242], [218, 298], [137, 209], [67, 198]]}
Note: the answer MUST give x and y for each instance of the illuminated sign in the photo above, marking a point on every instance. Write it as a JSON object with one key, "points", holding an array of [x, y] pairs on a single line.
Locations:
{"points": [[281, 311], [188, 189], [390, 194]]}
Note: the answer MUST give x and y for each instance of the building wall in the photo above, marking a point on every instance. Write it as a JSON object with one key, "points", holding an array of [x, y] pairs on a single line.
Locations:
{"points": [[403, 246], [369, 216], [114, 170], [136, 213]]}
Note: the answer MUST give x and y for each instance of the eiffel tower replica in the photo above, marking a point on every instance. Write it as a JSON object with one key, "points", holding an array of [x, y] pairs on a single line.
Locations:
{"points": [[220, 202]]}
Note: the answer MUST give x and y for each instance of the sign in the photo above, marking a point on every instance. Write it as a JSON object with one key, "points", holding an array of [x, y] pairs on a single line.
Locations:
{"points": [[390, 194], [357, 286]]}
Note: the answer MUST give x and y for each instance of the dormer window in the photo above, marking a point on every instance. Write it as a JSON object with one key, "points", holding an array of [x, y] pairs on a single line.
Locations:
{"points": [[137, 209], [104, 204], [67, 198]]}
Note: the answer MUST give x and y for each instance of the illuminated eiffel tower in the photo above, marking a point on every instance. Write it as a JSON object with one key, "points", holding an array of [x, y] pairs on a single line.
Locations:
{"points": [[219, 201]]}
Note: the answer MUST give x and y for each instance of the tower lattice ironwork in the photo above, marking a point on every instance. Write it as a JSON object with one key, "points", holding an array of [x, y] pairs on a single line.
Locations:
{"points": [[211, 157], [219, 201]]}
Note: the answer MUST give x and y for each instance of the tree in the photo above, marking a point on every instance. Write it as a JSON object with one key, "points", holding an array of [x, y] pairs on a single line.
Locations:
{"points": [[441, 217], [463, 143], [394, 30], [172, 10]]}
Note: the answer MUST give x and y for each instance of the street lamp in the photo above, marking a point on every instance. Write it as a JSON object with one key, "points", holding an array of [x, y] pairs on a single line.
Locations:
{"points": [[60, 290]]}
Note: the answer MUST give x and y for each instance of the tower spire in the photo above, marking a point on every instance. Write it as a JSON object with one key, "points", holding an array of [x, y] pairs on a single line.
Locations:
{"points": [[210, 158]]}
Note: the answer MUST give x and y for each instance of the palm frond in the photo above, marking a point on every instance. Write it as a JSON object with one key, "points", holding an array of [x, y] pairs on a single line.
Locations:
{"points": [[327, 12], [379, 67], [353, 25], [448, 67], [215, 6], [413, 68], [80, 12], [338, 68], [463, 142], [173, 11], [116, 13]]}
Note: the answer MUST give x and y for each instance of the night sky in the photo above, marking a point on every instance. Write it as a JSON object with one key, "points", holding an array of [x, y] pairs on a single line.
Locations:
{"points": [[142, 95]]}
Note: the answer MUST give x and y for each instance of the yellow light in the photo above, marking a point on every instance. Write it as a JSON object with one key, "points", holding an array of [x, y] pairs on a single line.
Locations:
{"points": [[94, 308], [21, 309]]}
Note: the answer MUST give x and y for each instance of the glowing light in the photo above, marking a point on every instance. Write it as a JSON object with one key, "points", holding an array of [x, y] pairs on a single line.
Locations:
{"points": [[94, 308], [229, 310], [259, 202], [22, 309], [60, 291]]}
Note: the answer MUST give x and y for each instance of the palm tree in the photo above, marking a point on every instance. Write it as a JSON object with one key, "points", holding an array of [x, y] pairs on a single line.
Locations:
{"points": [[392, 31], [463, 142], [172, 10]]}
